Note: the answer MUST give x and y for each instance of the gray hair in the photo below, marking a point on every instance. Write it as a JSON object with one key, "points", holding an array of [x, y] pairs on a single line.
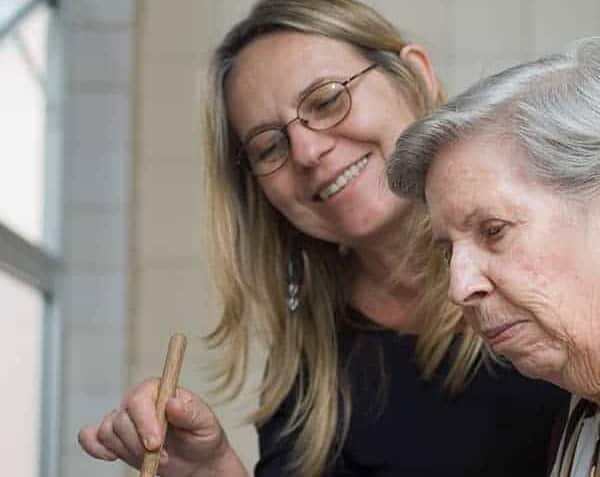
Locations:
{"points": [[549, 107]]}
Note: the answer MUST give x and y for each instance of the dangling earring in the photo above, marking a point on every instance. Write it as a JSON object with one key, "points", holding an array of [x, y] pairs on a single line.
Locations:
{"points": [[295, 276]]}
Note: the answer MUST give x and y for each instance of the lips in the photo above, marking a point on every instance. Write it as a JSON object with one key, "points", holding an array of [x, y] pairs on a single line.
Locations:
{"points": [[343, 179], [501, 333]]}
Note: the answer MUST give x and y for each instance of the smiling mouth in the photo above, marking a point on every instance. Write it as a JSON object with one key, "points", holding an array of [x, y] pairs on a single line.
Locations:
{"points": [[345, 178]]}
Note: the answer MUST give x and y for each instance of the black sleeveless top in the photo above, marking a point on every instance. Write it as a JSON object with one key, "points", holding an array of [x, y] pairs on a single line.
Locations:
{"points": [[500, 425]]}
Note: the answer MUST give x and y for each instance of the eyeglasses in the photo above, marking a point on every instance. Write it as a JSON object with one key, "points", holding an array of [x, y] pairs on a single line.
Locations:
{"points": [[322, 108]]}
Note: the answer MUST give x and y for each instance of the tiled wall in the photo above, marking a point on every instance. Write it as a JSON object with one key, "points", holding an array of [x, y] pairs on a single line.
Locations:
{"points": [[170, 290], [98, 64]]}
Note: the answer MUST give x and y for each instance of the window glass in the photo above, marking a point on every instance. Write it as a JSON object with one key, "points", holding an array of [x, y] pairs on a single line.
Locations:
{"points": [[8, 9], [21, 376], [22, 119]]}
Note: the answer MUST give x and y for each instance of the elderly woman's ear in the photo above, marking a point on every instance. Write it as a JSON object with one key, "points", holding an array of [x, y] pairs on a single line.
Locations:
{"points": [[418, 58]]}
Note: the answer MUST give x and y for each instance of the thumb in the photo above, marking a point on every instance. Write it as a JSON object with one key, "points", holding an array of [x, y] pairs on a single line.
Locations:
{"points": [[188, 412]]}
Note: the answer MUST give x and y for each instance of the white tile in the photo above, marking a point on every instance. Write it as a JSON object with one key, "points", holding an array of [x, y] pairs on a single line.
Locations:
{"points": [[95, 299], [466, 73], [95, 239], [95, 359], [97, 124], [229, 12], [488, 27], [445, 74], [556, 23], [169, 300], [244, 440], [424, 22], [94, 11], [169, 120], [97, 179], [104, 57], [175, 30], [172, 78], [169, 210]]}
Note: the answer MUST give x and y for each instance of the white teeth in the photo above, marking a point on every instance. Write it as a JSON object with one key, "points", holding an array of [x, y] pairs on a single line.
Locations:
{"points": [[344, 178]]}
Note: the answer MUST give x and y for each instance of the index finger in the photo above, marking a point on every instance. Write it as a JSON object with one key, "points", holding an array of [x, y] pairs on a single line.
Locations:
{"points": [[140, 404]]}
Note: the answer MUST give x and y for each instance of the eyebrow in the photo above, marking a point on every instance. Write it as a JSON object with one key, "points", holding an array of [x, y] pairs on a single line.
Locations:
{"points": [[299, 97], [440, 240], [258, 129], [469, 218]]}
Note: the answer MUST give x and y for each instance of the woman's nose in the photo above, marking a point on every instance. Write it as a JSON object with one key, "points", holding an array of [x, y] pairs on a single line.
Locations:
{"points": [[468, 284], [308, 147]]}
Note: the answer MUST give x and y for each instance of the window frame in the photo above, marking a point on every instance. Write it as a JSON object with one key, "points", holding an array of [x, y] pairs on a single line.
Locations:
{"points": [[36, 266]]}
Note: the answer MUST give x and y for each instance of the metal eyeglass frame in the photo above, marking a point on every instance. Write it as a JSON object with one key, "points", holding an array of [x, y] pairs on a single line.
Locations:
{"points": [[242, 157]]}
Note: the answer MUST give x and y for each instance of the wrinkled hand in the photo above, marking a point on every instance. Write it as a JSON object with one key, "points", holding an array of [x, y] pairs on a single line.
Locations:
{"points": [[195, 443]]}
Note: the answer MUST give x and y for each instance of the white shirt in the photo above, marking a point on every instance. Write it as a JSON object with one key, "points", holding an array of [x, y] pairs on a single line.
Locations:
{"points": [[586, 445]]}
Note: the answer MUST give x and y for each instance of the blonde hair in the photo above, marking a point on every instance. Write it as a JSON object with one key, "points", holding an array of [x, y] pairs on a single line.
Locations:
{"points": [[251, 243]]}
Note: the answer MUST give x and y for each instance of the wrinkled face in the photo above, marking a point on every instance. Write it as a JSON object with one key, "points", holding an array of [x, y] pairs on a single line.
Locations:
{"points": [[333, 185], [524, 261]]}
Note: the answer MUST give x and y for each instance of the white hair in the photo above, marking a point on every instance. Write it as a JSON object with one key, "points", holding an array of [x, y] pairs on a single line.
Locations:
{"points": [[549, 107]]}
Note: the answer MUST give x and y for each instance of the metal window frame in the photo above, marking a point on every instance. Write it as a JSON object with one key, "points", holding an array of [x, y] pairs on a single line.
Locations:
{"points": [[27, 262], [33, 265], [9, 25]]}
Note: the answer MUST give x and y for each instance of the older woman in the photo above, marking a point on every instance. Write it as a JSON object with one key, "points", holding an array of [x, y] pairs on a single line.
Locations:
{"points": [[510, 171]]}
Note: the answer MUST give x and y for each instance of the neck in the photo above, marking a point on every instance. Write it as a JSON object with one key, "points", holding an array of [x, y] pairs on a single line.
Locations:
{"points": [[582, 375], [384, 284], [591, 389], [385, 259]]}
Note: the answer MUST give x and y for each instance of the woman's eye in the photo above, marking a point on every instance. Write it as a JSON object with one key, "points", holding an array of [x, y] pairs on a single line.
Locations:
{"points": [[266, 154], [328, 99], [494, 230], [266, 146], [329, 102]]}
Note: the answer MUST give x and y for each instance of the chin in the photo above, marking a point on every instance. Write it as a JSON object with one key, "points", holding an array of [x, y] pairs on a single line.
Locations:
{"points": [[536, 365]]}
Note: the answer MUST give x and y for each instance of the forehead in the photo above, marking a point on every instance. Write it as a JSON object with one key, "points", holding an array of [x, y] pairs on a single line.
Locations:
{"points": [[481, 157], [283, 55], [269, 72], [478, 172]]}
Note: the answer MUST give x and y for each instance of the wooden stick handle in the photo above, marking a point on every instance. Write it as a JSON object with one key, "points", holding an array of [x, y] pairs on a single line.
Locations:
{"points": [[168, 384]]}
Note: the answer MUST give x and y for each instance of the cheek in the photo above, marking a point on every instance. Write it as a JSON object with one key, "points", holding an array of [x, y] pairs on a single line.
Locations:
{"points": [[531, 288], [520, 278], [278, 188], [376, 125], [526, 263], [281, 197], [275, 197]]}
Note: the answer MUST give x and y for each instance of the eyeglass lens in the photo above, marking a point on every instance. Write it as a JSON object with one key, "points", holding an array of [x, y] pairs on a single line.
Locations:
{"points": [[323, 108]]}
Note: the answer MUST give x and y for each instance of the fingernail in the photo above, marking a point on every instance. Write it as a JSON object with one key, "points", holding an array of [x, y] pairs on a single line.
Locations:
{"points": [[150, 442], [108, 455]]}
